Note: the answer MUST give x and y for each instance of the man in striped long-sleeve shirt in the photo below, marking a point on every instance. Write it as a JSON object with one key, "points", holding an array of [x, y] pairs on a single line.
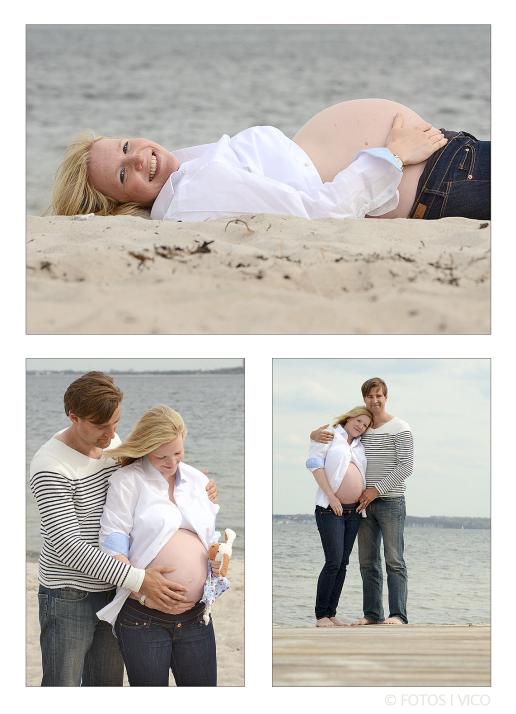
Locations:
{"points": [[69, 480], [390, 454]]}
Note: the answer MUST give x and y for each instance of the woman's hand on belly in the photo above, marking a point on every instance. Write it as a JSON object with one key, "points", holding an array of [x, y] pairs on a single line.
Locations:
{"points": [[336, 505], [413, 144]]}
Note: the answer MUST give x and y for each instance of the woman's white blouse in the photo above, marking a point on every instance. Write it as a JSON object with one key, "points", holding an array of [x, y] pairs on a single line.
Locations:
{"points": [[260, 170], [334, 458], [139, 518]]}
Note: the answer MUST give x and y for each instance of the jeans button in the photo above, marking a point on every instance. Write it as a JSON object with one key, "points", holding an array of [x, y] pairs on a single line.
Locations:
{"points": [[470, 177], [178, 625]]}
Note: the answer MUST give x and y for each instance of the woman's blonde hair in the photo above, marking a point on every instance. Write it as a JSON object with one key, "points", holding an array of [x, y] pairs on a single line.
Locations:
{"points": [[355, 412], [73, 193], [157, 426]]}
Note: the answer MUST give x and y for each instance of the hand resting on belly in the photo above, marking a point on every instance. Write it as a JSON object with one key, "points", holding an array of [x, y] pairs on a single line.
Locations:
{"points": [[187, 558]]}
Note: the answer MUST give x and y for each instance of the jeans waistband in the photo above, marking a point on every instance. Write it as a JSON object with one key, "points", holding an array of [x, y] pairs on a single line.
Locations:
{"points": [[187, 616], [433, 166], [345, 506]]}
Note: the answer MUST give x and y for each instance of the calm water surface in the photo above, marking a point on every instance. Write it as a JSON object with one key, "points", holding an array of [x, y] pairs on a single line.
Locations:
{"points": [[212, 406], [449, 576], [183, 85]]}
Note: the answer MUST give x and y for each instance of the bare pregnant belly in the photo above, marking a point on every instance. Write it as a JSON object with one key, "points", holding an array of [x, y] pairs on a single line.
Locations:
{"points": [[333, 138], [351, 486], [187, 555]]}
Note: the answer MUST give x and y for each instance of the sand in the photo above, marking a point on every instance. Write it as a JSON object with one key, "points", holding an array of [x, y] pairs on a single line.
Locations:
{"points": [[262, 274], [228, 621]]}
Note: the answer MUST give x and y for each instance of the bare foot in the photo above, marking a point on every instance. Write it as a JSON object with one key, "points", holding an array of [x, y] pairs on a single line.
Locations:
{"points": [[363, 621], [393, 621], [338, 623], [324, 622]]}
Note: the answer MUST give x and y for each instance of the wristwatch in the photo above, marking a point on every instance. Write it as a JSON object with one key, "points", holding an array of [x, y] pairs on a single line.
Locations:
{"points": [[399, 162], [141, 599]]}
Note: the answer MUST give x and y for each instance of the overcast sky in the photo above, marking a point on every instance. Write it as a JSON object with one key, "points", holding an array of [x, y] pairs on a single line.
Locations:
{"points": [[138, 365], [446, 402]]}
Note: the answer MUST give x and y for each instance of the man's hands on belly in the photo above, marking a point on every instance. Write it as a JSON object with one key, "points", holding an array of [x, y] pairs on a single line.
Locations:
{"points": [[176, 609], [368, 495], [164, 594]]}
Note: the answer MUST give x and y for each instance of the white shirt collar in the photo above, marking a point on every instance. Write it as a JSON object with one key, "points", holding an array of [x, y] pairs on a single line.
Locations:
{"points": [[165, 196]]}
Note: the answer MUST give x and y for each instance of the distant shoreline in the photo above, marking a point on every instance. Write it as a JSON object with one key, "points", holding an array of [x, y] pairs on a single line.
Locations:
{"points": [[222, 370], [455, 522]]}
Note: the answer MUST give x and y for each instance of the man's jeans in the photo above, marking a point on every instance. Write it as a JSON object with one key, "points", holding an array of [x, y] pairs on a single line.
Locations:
{"points": [[385, 519], [77, 649], [338, 534], [153, 643]]}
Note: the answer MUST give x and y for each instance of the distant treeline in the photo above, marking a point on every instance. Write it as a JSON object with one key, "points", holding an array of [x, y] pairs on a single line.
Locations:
{"points": [[222, 370], [411, 521]]}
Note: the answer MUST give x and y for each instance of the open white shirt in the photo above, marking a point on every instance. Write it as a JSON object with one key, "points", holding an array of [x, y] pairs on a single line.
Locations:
{"points": [[260, 170], [335, 457], [139, 518]]}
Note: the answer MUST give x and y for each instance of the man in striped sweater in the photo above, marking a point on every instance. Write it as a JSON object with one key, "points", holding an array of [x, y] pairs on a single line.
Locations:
{"points": [[69, 480], [390, 455]]}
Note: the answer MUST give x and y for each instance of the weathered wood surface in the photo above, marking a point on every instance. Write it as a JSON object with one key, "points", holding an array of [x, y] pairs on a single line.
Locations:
{"points": [[383, 655]]}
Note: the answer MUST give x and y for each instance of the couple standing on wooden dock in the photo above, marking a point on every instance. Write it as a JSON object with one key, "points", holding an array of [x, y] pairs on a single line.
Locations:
{"points": [[360, 465]]}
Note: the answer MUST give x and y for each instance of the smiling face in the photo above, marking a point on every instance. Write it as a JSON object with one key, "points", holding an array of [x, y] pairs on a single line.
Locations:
{"points": [[167, 457], [356, 426], [130, 170], [375, 400]]}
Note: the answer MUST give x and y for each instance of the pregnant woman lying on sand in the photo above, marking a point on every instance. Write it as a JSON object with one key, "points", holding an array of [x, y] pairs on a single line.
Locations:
{"points": [[366, 157], [157, 513], [339, 468]]}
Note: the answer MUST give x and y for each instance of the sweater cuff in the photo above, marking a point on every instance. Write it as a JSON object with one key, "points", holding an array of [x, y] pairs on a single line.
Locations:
{"points": [[134, 579]]}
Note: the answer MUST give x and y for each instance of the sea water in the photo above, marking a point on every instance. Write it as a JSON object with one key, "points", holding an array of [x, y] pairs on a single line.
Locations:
{"points": [[212, 406], [182, 85], [448, 576]]}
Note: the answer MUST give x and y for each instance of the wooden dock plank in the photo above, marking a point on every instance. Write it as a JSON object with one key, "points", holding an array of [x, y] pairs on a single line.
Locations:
{"points": [[382, 655]]}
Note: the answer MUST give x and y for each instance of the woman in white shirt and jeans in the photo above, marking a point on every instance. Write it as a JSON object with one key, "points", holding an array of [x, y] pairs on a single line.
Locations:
{"points": [[355, 159], [157, 513], [339, 468]]}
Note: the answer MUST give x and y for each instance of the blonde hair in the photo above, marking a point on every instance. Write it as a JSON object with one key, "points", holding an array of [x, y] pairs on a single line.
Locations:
{"points": [[157, 426], [355, 412], [73, 193]]}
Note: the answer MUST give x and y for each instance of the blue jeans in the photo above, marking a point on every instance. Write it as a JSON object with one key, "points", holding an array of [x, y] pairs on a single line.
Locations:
{"points": [[456, 180], [338, 534], [385, 519], [153, 643], [77, 649]]}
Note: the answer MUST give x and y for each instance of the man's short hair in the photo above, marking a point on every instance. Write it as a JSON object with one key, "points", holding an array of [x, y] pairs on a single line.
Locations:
{"points": [[94, 397], [371, 384]]}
